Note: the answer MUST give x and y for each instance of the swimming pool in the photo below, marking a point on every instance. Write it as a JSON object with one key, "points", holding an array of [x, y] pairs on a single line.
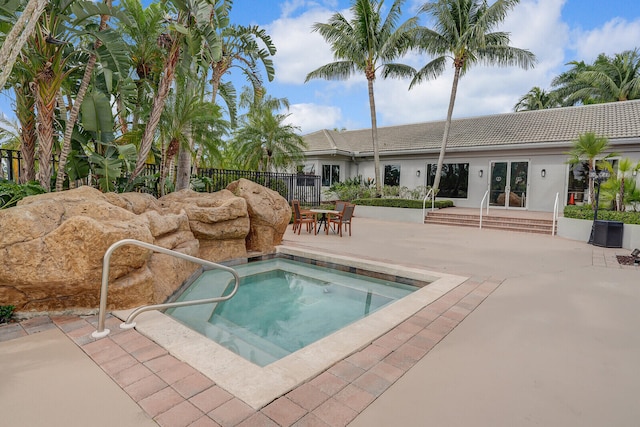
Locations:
{"points": [[257, 385], [283, 305]]}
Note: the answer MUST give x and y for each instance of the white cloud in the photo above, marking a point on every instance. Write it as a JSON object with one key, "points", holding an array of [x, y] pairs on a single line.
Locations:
{"points": [[613, 37], [313, 117], [288, 8], [299, 49]]}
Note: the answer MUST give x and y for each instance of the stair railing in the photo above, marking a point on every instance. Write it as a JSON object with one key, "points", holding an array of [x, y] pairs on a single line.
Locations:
{"points": [[102, 332], [485, 197], [556, 206], [424, 202]]}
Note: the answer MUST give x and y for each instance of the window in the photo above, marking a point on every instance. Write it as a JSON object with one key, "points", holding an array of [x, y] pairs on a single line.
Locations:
{"points": [[454, 180], [579, 180], [392, 175], [330, 175], [306, 175]]}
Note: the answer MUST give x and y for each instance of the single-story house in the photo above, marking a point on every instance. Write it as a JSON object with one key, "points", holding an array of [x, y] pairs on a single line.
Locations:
{"points": [[519, 158]]}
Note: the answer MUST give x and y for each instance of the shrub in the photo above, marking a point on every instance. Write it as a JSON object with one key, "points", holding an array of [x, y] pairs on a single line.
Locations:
{"points": [[11, 193], [401, 203], [6, 311]]}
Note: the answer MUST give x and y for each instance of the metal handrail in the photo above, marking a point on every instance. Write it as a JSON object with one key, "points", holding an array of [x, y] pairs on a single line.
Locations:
{"points": [[101, 331], [486, 196], [555, 214], [424, 202]]}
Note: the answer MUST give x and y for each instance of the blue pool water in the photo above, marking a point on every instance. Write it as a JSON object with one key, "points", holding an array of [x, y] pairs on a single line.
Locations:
{"points": [[282, 306]]}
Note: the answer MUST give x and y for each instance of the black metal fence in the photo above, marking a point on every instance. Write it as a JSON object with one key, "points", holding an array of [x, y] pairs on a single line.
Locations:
{"points": [[306, 188], [10, 164]]}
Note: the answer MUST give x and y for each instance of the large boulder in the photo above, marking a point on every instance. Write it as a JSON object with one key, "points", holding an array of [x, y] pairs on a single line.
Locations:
{"points": [[218, 220], [52, 245], [269, 212]]}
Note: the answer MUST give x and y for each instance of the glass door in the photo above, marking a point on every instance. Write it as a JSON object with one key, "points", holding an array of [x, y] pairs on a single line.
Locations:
{"points": [[508, 184], [498, 183]]}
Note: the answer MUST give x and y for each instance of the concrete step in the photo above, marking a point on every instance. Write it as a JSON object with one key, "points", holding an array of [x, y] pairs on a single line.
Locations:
{"points": [[496, 222]]}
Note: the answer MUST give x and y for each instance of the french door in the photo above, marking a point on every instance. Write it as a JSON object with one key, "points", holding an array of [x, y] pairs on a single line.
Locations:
{"points": [[509, 184]]}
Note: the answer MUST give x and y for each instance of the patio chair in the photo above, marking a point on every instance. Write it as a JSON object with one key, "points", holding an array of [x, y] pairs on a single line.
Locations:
{"points": [[341, 220], [302, 216]]}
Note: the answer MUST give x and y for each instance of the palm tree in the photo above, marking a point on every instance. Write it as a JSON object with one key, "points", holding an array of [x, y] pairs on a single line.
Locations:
{"points": [[567, 83], [117, 49], [243, 48], [187, 119], [536, 99], [50, 55], [26, 115], [368, 43], [192, 24], [263, 140], [611, 79], [591, 148], [146, 57], [464, 32]]}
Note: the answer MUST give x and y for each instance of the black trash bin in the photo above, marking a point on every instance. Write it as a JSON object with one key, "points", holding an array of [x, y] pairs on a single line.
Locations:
{"points": [[607, 234]]}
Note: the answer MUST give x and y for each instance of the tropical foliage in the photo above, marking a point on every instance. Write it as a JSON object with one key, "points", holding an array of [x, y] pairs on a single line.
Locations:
{"points": [[608, 79], [11, 193], [594, 150], [91, 83], [368, 43], [264, 140], [537, 99]]}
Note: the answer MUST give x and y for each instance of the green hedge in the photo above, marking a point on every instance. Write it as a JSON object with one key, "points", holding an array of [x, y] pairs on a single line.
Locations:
{"points": [[401, 203], [585, 212]]}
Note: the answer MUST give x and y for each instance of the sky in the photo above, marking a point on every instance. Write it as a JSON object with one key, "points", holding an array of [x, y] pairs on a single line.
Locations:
{"points": [[556, 31]]}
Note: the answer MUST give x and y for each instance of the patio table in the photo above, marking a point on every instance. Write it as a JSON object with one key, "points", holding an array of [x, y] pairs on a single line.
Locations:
{"points": [[323, 216]]}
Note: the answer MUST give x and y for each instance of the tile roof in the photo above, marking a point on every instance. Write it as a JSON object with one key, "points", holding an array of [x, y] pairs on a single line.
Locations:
{"points": [[616, 120]]}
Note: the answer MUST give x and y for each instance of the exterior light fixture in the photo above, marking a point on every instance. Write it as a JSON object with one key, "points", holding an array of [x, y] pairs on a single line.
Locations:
{"points": [[480, 173], [418, 172], [543, 173], [635, 172]]}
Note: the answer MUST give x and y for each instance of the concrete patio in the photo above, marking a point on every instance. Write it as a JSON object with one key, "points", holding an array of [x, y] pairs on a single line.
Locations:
{"points": [[553, 341]]}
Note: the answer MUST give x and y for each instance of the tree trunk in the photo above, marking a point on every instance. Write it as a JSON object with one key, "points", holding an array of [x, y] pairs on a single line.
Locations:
{"points": [[591, 195], [75, 110], [25, 111], [45, 107], [447, 126], [183, 178], [18, 36], [158, 105], [122, 119], [622, 207], [374, 136]]}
